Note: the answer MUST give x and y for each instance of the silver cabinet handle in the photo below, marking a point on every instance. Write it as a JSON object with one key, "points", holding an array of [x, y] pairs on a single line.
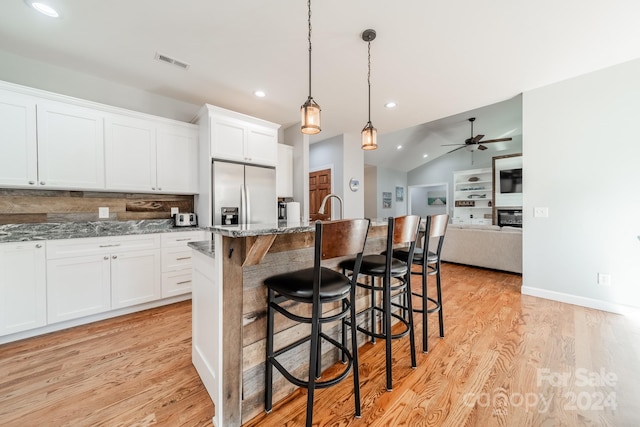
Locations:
{"points": [[184, 283], [153, 188], [110, 246], [159, 188], [31, 182], [38, 246], [183, 258], [182, 240], [115, 256], [106, 257], [42, 183]]}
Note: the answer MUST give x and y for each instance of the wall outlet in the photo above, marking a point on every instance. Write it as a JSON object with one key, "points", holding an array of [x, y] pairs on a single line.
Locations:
{"points": [[604, 279], [174, 211], [540, 212], [103, 212]]}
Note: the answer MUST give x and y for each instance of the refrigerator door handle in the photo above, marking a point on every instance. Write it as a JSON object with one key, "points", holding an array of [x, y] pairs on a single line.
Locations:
{"points": [[243, 205], [248, 205]]}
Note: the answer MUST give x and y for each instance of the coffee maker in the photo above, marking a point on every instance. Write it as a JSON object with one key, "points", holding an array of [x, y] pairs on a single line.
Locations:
{"points": [[282, 206]]}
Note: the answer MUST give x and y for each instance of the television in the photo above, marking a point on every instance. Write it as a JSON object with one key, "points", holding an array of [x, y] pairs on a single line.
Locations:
{"points": [[511, 180]]}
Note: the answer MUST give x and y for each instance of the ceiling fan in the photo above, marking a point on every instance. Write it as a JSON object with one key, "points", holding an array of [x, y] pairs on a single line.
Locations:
{"points": [[473, 142]]}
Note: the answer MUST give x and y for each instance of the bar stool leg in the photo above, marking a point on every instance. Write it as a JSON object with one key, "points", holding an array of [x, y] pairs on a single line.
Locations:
{"points": [[268, 390], [409, 308], [354, 353], [313, 362], [425, 305], [387, 328], [439, 290], [373, 311]]}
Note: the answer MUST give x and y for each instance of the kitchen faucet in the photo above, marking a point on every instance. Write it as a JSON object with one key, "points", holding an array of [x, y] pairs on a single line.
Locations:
{"points": [[324, 202]]}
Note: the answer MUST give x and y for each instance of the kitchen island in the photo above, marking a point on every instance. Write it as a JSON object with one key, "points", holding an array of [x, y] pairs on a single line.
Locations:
{"points": [[229, 310]]}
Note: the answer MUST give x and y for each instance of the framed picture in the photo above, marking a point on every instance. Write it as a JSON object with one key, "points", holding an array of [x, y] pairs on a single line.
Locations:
{"points": [[437, 198], [399, 194], [386, 199]]}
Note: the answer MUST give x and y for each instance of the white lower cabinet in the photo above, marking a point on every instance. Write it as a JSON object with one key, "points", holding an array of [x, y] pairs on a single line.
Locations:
{"points": [[114, 272], [177, 261], [135, 278], [22, 286], [78, 287]]}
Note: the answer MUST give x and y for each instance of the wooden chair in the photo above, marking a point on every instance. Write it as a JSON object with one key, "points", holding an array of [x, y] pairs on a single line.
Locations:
{"points": [[429, 262], [315, 287], [393, 275]]}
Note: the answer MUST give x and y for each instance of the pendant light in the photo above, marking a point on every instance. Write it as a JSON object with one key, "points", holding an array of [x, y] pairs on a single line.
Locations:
{"points": [[369, 133], [310, 111]]}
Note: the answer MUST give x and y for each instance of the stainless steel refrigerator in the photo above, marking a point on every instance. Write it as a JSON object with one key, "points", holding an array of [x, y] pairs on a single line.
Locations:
{"points": [[249, 189]]}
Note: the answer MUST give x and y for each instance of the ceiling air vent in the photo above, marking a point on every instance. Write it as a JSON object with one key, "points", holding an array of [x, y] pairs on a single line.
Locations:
{"points": [[172, 61]]}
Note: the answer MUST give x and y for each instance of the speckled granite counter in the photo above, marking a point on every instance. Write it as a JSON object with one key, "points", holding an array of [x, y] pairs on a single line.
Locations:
{"points": [[74, 230], [282, 227], [205, 247]]}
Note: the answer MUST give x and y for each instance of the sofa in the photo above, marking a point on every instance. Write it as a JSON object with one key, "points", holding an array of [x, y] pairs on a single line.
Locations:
{"points": [[488, 246]]}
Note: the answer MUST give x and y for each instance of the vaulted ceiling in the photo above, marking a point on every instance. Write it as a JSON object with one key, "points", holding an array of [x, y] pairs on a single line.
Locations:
{"points": [[435, 59]]}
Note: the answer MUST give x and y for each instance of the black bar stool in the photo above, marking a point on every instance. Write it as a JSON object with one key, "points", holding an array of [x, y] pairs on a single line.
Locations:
{"points": [[316, 286], [435, 229], [401, 231]]}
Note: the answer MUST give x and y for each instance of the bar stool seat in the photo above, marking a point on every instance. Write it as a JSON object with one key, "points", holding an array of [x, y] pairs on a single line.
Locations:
{"points": [[393, 275], [314, 287]]}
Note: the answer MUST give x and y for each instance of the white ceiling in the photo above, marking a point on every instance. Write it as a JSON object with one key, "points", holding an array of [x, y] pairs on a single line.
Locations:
{"points": [[436, 59]]}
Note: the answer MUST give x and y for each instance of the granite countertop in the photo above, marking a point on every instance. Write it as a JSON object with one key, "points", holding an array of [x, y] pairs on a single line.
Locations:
{"points": [[74, 230], [205, 247], [281, 227]]}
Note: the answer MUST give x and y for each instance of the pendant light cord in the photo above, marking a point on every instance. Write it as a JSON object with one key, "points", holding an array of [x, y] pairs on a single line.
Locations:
{"points": [[369, 77], [309, 37]]}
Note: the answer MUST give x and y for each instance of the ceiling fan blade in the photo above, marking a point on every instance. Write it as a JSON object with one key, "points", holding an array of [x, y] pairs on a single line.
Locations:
{"points": [[496, 140], [481, 147], [455, 149], [477, 138], [448, 145]]}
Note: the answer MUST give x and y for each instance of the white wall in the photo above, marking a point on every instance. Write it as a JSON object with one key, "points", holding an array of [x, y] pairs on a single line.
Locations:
{"points": [[387, 181], [39, 75], [353, 167], [581, 160]]}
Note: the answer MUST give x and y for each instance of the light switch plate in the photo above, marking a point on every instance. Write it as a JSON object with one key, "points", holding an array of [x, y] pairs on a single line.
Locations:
{"points": [[103, 212], [541, 212]]}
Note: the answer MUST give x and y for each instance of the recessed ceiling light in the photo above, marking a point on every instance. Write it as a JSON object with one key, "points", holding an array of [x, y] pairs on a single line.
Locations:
{"points": [[259, 93], [390, 104], [43, 8], [399, 147], [424, 156]]}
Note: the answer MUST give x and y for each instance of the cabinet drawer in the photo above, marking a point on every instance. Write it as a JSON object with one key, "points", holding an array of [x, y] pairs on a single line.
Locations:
{"points": [[181, 238], [177, 258], [176, 283], [99, 245]]}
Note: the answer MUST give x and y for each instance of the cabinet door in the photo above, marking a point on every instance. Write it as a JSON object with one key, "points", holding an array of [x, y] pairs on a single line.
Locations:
{"points": [[130, 149], [227, 139], [18, 161], [70, 146], [23, 292], [177, 159], [261, 146], [77, 287], [284, 171], [135, 277]]}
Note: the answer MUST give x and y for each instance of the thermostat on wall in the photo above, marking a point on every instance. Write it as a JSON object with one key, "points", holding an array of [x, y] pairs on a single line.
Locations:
{"points": [[354, 184]]}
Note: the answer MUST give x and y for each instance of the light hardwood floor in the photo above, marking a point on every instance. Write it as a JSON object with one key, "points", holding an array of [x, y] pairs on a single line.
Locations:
{"points": [[506, 360]]}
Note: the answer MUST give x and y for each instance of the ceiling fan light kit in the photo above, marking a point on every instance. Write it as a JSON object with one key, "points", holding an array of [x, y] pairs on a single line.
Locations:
{"points": [[369, 133], [310, 110]]}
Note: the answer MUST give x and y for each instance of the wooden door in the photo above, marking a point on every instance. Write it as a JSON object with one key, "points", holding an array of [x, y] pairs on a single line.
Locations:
{"points": [[319, 187]]}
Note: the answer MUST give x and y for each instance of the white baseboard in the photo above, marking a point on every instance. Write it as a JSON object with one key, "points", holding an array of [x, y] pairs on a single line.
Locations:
{"points": [[579, 300]]}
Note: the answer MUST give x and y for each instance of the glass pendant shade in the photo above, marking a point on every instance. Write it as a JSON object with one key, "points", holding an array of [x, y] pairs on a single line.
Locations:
{"points": [[369, 137], [310, 117]]}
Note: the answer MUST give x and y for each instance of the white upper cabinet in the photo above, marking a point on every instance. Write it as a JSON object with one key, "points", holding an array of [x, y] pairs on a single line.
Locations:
{"points": [[148, 156], [130, 154], [70, 146], [54, 142], [177, 158], [240, 138], [18, 144], [284, 171]]}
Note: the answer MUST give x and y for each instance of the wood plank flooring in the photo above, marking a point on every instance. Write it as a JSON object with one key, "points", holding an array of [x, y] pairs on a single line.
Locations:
{"points": [[506, 360]]}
